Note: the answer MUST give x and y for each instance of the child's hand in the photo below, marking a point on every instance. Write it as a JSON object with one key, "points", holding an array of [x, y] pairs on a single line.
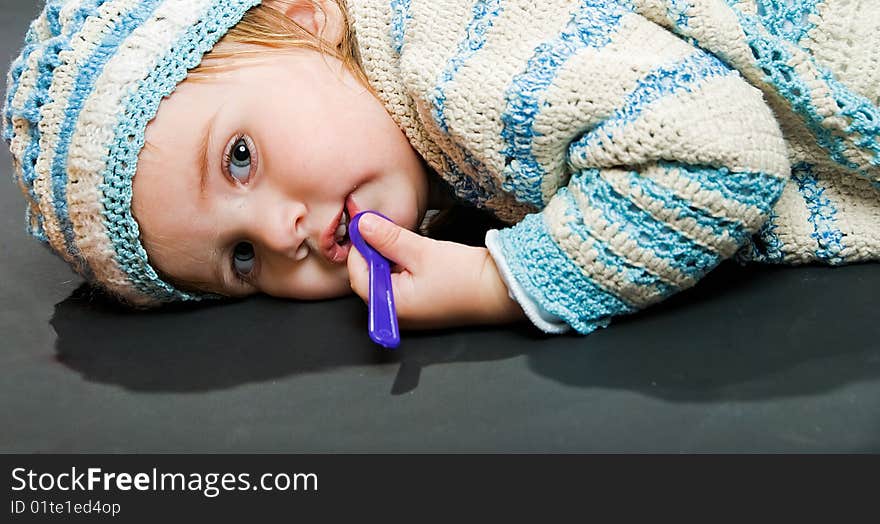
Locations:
{"points": [[436, 283]]}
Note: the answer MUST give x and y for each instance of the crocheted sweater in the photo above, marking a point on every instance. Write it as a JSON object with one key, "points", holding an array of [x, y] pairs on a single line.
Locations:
{"points": [[635, 144]]}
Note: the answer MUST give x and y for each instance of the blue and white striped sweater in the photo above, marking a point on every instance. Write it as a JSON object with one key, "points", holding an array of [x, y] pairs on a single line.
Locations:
{"points": [[634, 145]]}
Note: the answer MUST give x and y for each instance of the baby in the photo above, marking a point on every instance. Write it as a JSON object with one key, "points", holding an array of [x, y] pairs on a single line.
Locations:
{"points": [[191, 149]]}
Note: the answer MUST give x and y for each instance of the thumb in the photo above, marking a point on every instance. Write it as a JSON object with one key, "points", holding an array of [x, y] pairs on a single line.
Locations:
{"points": [[395, 243]]}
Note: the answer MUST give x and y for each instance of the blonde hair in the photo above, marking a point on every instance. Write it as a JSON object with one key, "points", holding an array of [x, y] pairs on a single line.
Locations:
{"points": [[270, 29]]}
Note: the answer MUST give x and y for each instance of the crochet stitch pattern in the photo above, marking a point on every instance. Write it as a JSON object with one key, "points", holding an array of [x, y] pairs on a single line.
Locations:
{"points": [[90, 77], [632, 145], [635, 144]]}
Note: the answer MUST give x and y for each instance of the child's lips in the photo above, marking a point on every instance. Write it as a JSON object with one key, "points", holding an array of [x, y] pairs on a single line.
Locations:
{"points": [[337, 254], [333, 252]]}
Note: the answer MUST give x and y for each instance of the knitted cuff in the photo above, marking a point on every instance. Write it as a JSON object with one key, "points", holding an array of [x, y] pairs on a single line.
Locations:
{"points": [[550, 277], [540, 317]]}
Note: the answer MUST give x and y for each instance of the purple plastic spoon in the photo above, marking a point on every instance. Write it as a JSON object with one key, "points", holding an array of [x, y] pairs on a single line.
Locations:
{"points": [[383, 315]]}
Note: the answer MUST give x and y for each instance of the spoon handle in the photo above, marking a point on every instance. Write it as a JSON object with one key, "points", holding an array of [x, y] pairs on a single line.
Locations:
{"points": [[383, 316], [382, 324]]}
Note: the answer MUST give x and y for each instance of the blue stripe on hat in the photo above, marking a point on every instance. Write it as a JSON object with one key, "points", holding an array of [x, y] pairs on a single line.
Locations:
{"points": [[39, 95], [142, 105], [53, 12], [32, 42], [83, 86], [34, 223]]}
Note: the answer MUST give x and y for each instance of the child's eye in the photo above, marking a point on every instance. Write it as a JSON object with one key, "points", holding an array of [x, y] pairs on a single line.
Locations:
{"points": [[243, 259], [238, 160]]}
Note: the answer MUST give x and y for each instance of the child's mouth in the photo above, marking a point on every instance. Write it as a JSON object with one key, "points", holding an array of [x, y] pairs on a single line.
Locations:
{"points": [[342, 230], [336, 243]]}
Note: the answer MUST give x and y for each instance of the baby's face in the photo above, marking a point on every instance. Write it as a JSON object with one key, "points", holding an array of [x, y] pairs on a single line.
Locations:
{"points": [[244, 179]]}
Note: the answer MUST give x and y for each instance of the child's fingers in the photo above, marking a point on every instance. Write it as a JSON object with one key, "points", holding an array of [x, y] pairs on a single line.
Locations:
{"points": [[358, 274], [396, 243]]}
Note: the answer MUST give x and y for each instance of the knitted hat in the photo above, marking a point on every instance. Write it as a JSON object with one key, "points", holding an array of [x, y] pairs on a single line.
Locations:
{"points": [[90, 77]]}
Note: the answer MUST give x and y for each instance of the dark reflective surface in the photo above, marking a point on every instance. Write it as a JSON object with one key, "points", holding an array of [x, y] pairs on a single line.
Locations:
{"points": [[727, 339]]}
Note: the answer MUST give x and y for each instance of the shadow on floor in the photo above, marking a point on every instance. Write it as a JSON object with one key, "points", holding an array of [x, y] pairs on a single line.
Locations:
{"points": [[739, 335]]}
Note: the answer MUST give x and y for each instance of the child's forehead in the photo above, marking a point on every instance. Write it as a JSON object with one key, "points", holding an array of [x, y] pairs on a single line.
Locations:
{"points": [[182, 112]]}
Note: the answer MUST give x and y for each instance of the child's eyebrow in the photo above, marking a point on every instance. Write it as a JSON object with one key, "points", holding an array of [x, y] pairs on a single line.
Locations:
{"points": [[203, 153]]}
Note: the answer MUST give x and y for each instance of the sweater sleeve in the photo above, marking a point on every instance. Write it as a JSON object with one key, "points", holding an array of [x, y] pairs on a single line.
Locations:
{"points": [[671, 164], [540, 317]]}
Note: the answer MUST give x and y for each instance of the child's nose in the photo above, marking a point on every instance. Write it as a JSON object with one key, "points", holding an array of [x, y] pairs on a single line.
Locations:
{"points": [[283, 231]]}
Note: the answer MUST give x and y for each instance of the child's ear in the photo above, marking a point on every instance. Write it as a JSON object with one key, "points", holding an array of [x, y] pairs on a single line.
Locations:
{"points": [[322, 18]]}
